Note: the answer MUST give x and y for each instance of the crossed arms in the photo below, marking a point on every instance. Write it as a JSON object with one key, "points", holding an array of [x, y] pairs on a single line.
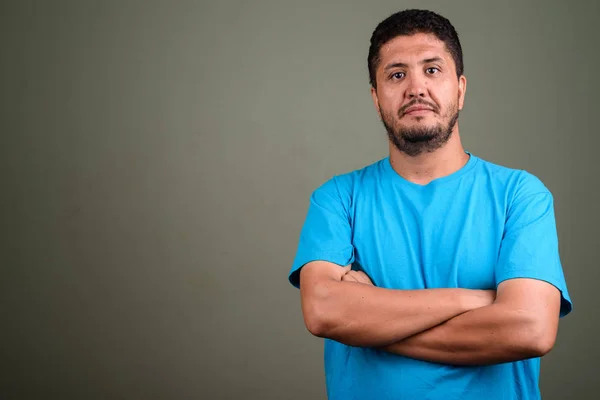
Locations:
{"points": [[450, 326]]}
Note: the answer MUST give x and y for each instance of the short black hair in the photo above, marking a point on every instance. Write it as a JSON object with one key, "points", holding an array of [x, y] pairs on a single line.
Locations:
{"points": [[410, 22]]}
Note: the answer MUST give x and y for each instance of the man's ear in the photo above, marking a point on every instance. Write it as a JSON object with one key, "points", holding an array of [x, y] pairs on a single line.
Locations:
{"points": [[462, 89], [375, 100]]}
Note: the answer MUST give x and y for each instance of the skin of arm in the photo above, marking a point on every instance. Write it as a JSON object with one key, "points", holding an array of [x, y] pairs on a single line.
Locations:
{"points": [[521, 323], [359, 314]]}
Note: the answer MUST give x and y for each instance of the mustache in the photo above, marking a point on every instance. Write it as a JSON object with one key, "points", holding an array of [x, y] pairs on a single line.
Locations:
{"points": [[415, 102]]}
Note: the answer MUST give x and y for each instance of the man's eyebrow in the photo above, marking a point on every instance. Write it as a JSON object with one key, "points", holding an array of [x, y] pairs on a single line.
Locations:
{"points": [[425, 61]]}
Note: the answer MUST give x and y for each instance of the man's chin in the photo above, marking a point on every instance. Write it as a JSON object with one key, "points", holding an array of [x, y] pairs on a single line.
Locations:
{"points": [[418, 134], [419, 138], [419, 125]]}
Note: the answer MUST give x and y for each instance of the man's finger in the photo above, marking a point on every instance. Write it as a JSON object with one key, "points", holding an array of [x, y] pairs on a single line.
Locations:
{"points": [[358, 277], [362, 277], [352, 275]]}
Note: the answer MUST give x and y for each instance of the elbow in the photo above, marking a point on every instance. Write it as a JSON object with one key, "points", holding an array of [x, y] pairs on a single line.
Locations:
{"points": [[317, 311], [314, 317], [541, 339], [315, 324], [543, 344]]}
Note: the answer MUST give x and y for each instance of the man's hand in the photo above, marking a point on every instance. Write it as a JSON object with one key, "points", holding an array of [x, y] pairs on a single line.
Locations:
{"points": [[358, 277]]}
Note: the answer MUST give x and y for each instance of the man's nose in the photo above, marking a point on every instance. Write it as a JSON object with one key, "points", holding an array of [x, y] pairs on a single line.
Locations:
{"points": [[416, 92], [415, 88]]}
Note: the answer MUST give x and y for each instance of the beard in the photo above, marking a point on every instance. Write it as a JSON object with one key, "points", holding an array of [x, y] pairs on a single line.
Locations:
{"points": [[416, 140]]}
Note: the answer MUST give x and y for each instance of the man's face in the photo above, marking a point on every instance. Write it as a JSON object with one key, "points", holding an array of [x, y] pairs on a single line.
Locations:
{"points": [[418, 95]]}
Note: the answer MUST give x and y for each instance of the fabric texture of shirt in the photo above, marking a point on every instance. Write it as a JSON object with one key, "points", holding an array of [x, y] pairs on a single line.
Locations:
{"points": [[472, 229]]}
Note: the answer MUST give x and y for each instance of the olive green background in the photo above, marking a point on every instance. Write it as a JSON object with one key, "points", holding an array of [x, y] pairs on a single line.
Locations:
{"points": [[157, 158]]}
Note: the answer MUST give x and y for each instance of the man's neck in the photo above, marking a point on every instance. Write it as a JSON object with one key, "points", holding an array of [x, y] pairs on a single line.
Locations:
{"points": [[426, 167]]}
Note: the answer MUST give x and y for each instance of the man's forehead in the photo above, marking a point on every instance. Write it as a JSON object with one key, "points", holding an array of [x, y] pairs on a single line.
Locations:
{"points": [[419, 45]]}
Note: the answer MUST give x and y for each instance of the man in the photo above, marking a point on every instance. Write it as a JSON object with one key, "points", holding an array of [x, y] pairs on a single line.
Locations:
{"points": [[432, 274]]}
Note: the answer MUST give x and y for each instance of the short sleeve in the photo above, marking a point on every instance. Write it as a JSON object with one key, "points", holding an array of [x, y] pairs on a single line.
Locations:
{"points": [[326, 234], [529, 246]]}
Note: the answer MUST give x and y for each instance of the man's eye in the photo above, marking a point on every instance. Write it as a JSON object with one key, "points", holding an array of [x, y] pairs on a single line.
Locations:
{"points": [[397, 75], [432, 70]]}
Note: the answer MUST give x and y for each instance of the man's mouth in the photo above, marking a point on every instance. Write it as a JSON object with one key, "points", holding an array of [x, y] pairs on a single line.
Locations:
{"points": [[417, 110]]}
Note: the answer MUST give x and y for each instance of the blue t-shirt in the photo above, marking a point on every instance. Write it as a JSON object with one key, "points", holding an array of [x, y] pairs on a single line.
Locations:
{"points": [[472, 229]]}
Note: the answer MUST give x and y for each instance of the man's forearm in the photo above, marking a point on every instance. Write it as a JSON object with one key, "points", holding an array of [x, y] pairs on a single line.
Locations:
{"points": [[488, 335], [363, 315]]}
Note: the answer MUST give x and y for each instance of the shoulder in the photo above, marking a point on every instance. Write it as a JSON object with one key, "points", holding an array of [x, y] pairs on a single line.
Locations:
{"points": [[345, 185], [517, 183]]}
